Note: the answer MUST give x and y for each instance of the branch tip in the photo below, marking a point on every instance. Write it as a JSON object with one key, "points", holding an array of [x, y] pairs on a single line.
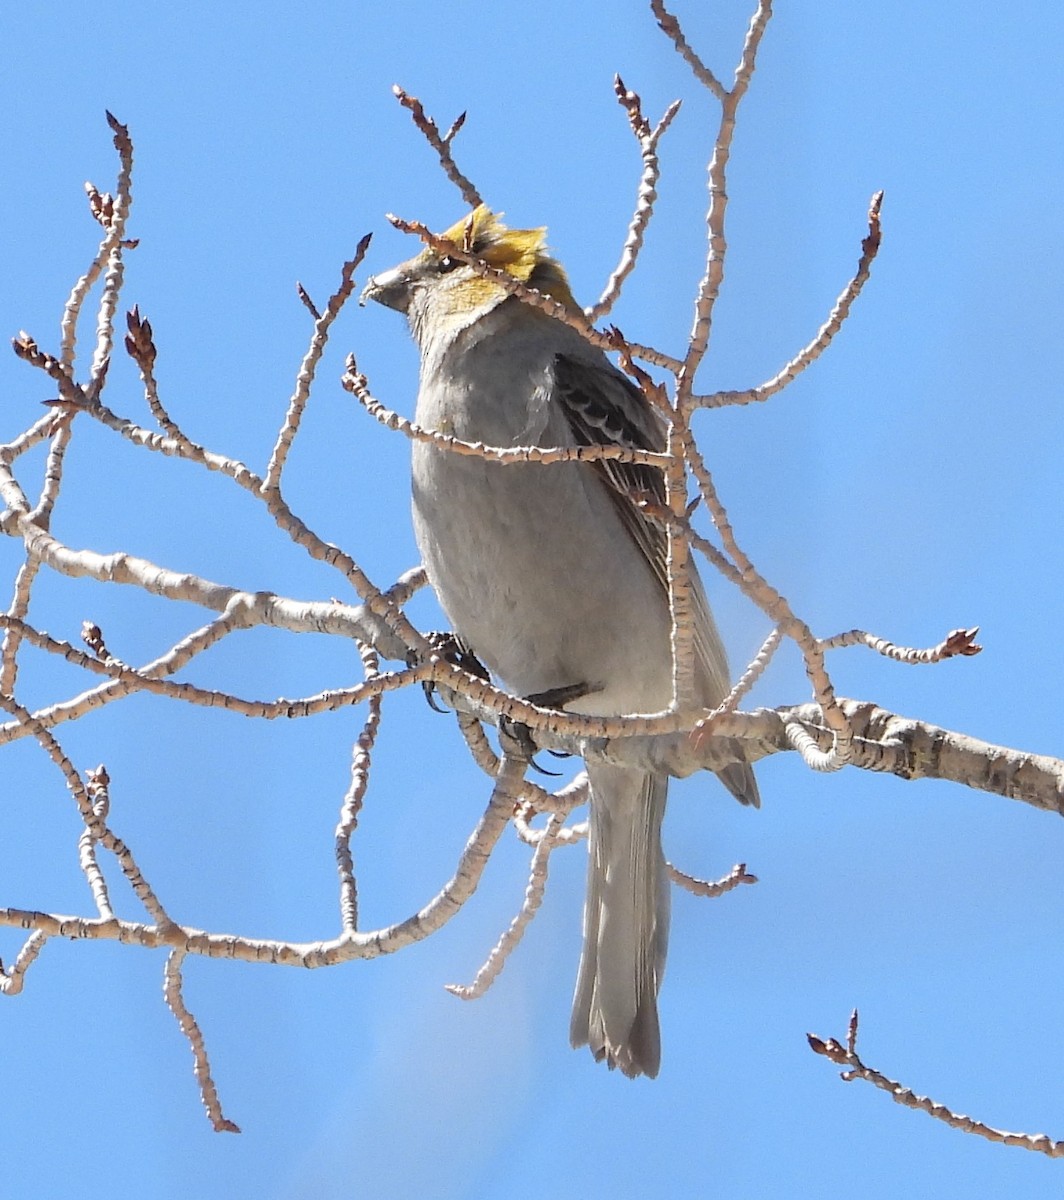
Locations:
{"points": [[440, 143], [830, 1048], [308, 304], [456, 125], [962, 642]]}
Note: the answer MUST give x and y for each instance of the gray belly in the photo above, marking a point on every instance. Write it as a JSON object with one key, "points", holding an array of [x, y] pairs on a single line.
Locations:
{"points": [[534, 569]]}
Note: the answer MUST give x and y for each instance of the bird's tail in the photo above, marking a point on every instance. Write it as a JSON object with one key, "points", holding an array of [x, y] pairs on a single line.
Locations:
{"points": [[626, 922], [738, 778]]}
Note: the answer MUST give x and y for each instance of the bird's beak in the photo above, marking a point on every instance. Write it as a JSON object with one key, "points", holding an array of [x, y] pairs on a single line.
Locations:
{"points": [[390, 288]]}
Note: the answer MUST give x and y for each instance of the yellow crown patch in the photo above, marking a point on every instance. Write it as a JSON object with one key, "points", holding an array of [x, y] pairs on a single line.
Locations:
{"points": [[521, 253]]}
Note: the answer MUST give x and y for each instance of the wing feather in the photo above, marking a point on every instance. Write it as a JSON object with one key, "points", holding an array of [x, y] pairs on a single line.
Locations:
{"points": [[603, 407]]}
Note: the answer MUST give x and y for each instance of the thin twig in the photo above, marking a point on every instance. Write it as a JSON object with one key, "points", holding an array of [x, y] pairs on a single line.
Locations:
{"points": [[708, 888], [477, 742], [147, 679], [20, 603], [94, 822], [38, 432], [745, 682], [127, 568], [959, 642], [13, 978], [307, 955], [775, 605], [308, 367], [140, 346], [671, 28], [179, 446], [846, 1056], [92, 800], [98, 783], [441, 144], [378, 602], [173, 994], [355, 382], [646, 195], [113, 275], [809, 354], [501, 951], [41, 514], [717, 247], [96, 805], [356, 791]]}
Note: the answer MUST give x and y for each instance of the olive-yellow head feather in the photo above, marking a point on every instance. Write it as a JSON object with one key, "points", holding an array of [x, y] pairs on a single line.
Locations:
{"points": [[441, 294]]}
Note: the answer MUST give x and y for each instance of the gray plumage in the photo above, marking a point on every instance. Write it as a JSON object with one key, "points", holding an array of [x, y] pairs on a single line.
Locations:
{"points": [[554, 577]]}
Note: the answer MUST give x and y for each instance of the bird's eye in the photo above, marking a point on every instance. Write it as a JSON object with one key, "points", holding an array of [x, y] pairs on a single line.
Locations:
{"points": [[447, 263]]}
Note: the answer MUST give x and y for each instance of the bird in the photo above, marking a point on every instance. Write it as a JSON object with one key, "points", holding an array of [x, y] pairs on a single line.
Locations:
{"points": [[555, 575]]}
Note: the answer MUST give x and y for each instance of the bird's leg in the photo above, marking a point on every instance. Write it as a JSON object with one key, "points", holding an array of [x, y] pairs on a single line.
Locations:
{"points": [[559, 697], [451, 648], [556, 698]]}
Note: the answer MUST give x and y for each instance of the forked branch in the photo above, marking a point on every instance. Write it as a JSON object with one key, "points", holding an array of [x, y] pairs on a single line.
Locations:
{"points": [[846, 1056]]}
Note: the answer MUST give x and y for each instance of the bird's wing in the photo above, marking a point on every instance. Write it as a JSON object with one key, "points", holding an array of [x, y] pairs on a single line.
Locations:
{"points": [[603, 407]]}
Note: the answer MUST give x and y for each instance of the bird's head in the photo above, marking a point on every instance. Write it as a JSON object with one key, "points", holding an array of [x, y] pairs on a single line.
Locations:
{"points": [[442, 295]]}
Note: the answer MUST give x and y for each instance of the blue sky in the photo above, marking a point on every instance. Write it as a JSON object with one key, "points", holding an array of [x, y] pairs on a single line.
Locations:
{"points": [[908, 484]]}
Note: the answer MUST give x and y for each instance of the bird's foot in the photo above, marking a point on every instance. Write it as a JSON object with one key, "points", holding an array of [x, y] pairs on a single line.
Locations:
{"points": [[450, 647], [556, 698]]}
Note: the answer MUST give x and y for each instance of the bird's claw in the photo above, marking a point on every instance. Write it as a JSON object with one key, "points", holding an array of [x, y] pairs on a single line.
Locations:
{"points": [[521, 734], [452, 649]]}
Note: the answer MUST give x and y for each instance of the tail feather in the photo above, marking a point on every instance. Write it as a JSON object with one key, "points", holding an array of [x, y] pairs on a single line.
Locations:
{"points": [[738, 778], [626, 922]]}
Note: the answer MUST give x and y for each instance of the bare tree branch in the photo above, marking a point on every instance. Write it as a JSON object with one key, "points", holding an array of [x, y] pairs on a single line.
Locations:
{"points": [[442, 145], [646, 195], [709, 288], [809, 354], [308, 367], [537, 883], [173, 991], [355, 796], [828, 732], [846, 1056], [711, 889], [345, 948]]}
